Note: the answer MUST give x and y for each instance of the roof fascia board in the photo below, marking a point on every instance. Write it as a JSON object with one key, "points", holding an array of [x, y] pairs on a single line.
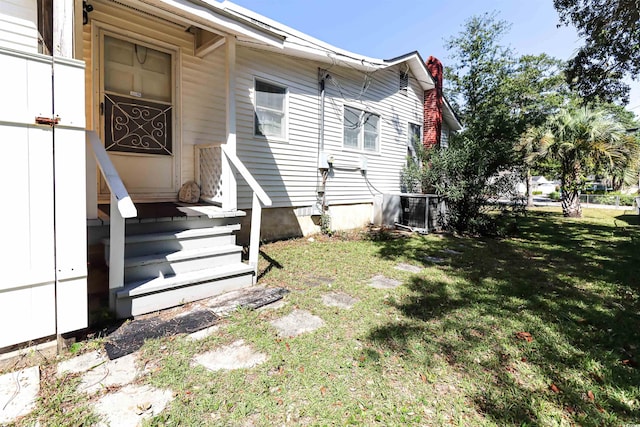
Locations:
{"points": [[212, 18]]}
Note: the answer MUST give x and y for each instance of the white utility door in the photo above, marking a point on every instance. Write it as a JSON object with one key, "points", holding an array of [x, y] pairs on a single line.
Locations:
{"points": [[43, 290], [137, 116]]}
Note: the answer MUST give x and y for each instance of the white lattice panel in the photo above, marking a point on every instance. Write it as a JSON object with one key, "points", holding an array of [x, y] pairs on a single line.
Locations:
{"points": [[211, 173]]}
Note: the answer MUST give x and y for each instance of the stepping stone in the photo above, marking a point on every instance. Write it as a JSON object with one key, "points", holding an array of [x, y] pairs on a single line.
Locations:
{"points": [[339, 299], [81, 363], [451, 251], [252, 298], [237, 355], [296, 323], [110, 373], [204, 333], [132, 404], [408, 267], [434, 259], [313, 281], [381, 282], [18, 393]]}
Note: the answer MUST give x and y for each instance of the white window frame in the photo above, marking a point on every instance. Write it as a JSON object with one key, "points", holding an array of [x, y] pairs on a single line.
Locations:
{"points": [[410, 148], [285, 110], [361, 131]]}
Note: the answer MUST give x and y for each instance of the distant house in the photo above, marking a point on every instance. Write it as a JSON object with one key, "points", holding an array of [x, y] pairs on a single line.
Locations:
{"points": [[543, 185], [149, 96]]}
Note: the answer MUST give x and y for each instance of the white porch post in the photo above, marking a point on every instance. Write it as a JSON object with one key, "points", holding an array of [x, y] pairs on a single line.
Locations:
{"points": [[230, 196], [116, 250]]}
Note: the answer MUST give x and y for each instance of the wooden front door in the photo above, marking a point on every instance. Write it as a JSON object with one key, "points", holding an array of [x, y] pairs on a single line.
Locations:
{"points": [[137, 116]]}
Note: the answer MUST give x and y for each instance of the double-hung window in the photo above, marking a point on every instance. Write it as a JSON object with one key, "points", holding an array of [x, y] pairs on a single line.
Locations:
{"points": [[413, 141], [270, 114], [361, 130]]}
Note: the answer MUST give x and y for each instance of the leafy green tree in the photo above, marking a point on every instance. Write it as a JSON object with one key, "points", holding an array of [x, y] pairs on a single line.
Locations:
{"points": [[498, 96], [611, 33], [582, 142]]}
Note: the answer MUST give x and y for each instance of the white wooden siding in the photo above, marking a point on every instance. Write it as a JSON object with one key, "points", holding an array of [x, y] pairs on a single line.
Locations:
{"points": [[287, 170], [201, 81], [18, 25]]}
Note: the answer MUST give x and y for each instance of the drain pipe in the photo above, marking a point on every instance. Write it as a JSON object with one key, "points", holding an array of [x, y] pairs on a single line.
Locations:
{"points": [[321, 189]]}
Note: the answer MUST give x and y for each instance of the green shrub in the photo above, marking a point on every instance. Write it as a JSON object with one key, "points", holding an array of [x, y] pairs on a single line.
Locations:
{"points": [[536, 193], [554, 195]]}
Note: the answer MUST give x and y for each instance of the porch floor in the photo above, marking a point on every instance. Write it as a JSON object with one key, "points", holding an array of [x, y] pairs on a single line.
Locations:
{"points": [[151, 212]]}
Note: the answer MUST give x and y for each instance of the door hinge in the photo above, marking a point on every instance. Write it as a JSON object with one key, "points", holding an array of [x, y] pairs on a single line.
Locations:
{"points": [[48, 121]]}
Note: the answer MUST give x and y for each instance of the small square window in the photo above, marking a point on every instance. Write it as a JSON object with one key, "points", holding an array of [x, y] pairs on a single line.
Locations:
{"points": [[270, 112]]}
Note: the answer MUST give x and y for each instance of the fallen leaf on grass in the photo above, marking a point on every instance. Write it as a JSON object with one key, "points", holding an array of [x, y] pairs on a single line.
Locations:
{"points": [[554, 388], [301, 369], [423, 377], [323, 390], [526, 336], [630, 362], [287, 345], [590, 395], [600, 408]]}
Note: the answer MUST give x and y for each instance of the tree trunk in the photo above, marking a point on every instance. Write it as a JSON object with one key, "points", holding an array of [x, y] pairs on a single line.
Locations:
{"points": [[571, 192], [529, 191], [571, 204]]}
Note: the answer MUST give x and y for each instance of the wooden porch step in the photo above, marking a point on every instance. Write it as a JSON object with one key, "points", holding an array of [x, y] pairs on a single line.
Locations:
{"points": [[183, 261], [145, 296], [172, 241]]}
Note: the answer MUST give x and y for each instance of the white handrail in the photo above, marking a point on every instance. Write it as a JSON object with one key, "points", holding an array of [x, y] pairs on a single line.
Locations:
{"points": [[259, 196], [125, 204], [121, 207], [240, 167]]}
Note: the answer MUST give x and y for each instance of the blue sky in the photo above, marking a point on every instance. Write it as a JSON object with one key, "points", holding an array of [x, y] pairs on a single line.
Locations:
{"points": [[386, 29]]}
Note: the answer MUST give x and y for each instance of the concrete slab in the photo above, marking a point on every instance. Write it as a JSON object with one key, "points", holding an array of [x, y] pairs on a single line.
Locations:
{"points": [[82, 363], [237, 355], [273, 306], [200, 335], [339, 299], [409, 268], [297, 323], [132, 404], [110, 373], [18, 393], [253, 298], [381, 282]]}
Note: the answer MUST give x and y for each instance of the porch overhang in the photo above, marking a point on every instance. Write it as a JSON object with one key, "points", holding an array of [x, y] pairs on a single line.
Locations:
{"points": [[211, 17]]}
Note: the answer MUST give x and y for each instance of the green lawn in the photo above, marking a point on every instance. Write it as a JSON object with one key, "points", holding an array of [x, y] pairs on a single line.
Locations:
{"points": [[541, 328]]}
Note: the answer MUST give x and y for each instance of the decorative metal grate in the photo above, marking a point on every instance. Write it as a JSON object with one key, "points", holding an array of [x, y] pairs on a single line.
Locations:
{"points": [[137, 126], [210, 163]]}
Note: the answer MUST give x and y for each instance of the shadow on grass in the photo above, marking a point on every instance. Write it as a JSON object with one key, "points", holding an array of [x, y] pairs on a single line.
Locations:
{"points": [[574, 286]]}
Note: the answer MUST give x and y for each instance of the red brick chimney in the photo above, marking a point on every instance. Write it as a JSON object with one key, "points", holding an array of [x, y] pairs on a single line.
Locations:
{"points": [[432, 128]]}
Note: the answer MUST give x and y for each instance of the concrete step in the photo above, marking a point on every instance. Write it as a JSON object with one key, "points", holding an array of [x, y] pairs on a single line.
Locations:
{"points": [[183, 261], [146, 296], [172, 241]]}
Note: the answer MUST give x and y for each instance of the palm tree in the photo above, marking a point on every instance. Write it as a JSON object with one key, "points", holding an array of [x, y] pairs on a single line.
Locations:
{"points": [[581, 141]]}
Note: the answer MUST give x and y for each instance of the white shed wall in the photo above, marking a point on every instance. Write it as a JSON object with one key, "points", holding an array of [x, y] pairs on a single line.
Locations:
{"points": [[18, 25]]}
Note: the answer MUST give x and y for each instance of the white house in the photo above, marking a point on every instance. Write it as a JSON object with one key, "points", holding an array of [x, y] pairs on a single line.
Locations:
{"points": [[150, 95]]}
